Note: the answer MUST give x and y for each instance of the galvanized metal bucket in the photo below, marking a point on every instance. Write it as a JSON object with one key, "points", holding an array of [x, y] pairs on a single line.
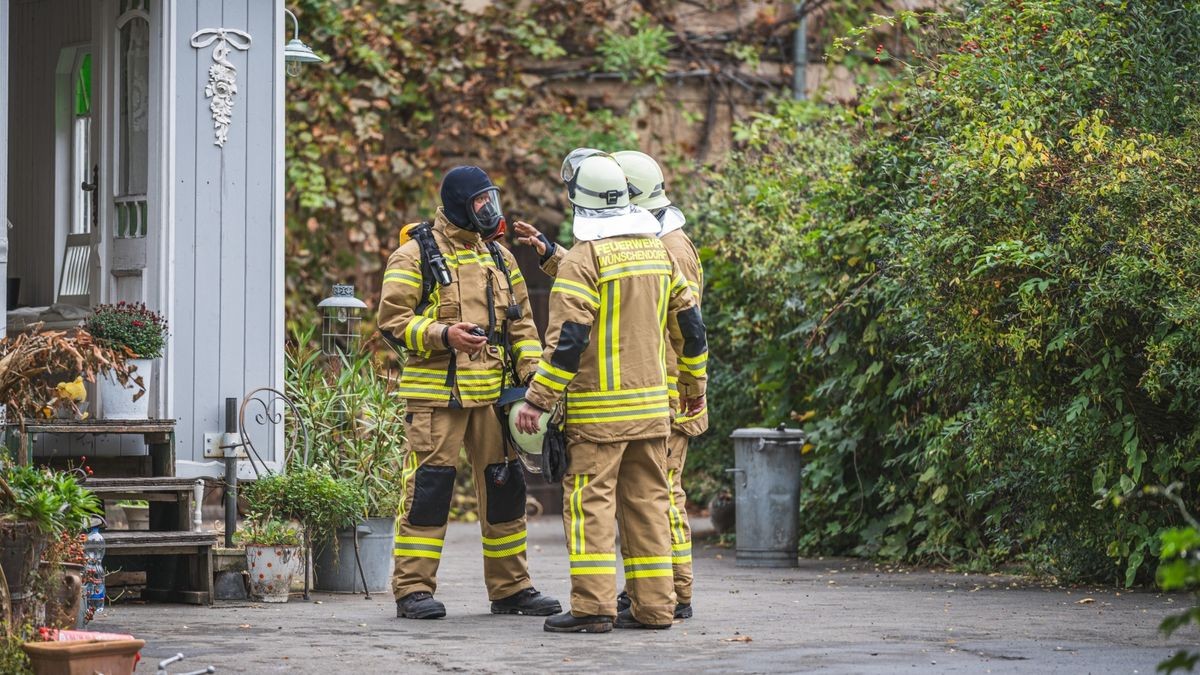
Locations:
{"points": [[767, 495], [338, 571]]}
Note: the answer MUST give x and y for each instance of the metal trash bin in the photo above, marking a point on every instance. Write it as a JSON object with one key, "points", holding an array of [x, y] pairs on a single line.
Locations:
{"points": [[767, 495]]}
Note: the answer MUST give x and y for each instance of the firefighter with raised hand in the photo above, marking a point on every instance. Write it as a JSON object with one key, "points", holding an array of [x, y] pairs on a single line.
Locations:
{"points": [[646, 178], [456, 302], [604, 363]]}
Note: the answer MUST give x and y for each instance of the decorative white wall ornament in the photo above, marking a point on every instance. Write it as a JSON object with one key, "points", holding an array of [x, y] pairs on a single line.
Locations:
{"points": [[222, 75]]}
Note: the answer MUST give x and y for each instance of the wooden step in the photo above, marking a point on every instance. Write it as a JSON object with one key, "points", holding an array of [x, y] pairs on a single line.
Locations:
{"points": [[188, 581], [118, 488], [124, 542]]}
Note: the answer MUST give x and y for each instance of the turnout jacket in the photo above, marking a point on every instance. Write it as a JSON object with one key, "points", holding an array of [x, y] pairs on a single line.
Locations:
{"points": [[436, 375], [607, 340], [683, 251]]}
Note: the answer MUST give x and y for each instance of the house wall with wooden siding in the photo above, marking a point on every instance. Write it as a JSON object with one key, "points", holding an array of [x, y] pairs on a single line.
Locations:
{"points": [[39, 31], [227, 241]]}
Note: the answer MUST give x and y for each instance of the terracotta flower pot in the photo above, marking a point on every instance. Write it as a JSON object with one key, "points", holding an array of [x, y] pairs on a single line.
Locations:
{"points": [[83, 657]]}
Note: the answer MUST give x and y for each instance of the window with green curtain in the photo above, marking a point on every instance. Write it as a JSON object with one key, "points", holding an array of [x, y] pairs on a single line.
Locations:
{"points": [[83, 88]]}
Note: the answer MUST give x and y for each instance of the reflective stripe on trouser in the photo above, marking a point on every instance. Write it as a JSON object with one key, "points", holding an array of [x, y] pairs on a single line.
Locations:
{"points": [[435, 437], [625, 483], [681, 529]]}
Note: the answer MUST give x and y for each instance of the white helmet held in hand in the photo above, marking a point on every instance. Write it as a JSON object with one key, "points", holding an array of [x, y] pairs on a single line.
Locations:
{"points": [[644, 174]]}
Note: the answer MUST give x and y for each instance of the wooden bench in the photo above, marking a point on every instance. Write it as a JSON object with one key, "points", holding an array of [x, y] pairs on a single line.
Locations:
{"points": [[168, 580]]}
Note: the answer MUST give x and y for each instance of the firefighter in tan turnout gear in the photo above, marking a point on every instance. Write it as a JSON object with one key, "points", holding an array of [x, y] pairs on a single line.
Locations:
{"points": [[646, 177], [605, 363], [457, 303]]}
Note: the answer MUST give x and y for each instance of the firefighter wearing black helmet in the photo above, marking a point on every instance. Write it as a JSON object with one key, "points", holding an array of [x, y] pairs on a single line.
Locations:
{"points": [[456, 302]]}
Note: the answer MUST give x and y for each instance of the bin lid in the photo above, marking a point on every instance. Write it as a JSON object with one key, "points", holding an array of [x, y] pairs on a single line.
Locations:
{"points": [[779, 433]]}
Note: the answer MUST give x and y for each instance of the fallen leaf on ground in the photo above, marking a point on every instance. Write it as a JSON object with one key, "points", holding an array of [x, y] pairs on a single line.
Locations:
{"points": [[245, 625], [1086, 601], [739, 638]]}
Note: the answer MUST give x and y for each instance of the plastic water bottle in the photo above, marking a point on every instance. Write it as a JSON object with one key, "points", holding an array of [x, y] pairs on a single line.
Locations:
{"points": [[93, 555]]}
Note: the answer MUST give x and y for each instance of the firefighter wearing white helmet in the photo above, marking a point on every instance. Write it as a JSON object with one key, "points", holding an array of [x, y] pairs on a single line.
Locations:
{"points": [[604, 361], [646, 180]]}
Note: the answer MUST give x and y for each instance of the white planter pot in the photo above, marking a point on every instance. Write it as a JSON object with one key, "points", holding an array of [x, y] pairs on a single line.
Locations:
{"points": [[270, 569], [118, 400]]}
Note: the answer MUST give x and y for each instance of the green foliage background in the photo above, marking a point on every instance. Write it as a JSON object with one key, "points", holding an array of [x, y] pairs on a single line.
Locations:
{"points": [[978, 290]]}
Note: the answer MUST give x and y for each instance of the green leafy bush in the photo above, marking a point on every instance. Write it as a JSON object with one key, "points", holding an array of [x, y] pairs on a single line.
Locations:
{"points": [[260, 530], [977, 290], [131, 327], [320, 502], [640, 56]]}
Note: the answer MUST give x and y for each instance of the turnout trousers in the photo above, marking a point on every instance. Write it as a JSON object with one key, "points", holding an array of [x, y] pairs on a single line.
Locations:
{"points": [[435, 438], [681, 529], [624, 483]]}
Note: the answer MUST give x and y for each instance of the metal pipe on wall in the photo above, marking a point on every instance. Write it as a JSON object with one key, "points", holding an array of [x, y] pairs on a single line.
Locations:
{"points": [[230, 447], [800, 54]]}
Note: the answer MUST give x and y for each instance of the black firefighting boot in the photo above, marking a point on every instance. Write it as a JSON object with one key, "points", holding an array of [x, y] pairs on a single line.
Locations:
{"points": [[569, 623], [625, 619], [527, 601], [419, 605], [683, 610]]}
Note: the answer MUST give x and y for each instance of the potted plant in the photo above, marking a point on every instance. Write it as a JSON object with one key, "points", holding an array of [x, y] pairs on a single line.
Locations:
{"points": [[137, 513], [272, 547], [356, 427], [141, 334], [310, 496], [37, 505]]}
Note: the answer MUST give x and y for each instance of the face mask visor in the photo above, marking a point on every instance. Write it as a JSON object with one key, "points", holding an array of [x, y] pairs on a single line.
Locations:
{"points": [[486, 216]]}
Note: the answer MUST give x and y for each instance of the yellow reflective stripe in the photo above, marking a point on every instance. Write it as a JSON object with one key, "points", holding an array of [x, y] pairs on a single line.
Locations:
{"points": [[576, 502], [582, 571], [551, 370], [415, 334], [587, 557], [555, 378], [504, 540], [678, 284], [673, 514], [633, 270], [581, 291], [504, 553], [648, 560], [593, 563], [421, 393], [420, 540], [524, 347], [682, 419], [418, 547], [515, 277], [663, 303], [642, 574], [694, 360], [554, 386], [609, 354], [403, 277], [438, 379], [616, 395], [600, 418], [410, 467], [416, 553], [695, 287], [656, 401]]}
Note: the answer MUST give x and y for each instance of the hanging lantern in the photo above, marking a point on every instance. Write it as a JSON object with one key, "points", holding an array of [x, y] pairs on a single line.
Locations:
{"points": [[341, 314]]}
